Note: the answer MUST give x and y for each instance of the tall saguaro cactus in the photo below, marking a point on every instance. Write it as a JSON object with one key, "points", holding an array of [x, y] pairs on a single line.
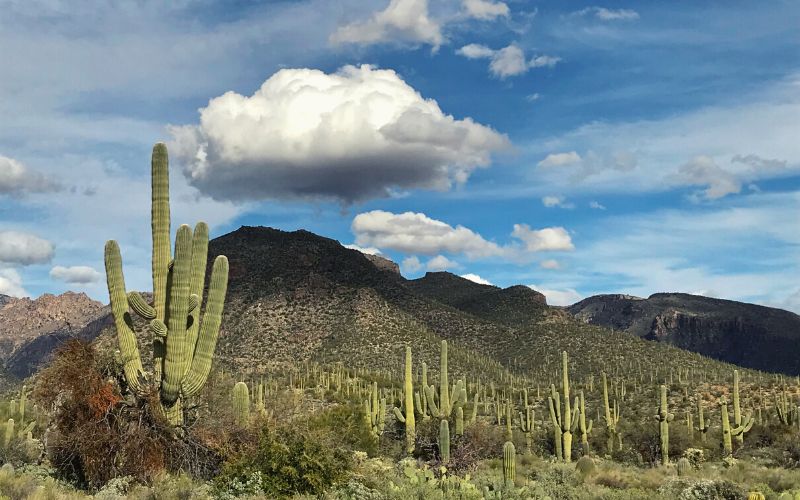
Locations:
{"points": [[611, 417], [183, 342], [664, 417], [408, 396], [737, 410], [564, 423]]}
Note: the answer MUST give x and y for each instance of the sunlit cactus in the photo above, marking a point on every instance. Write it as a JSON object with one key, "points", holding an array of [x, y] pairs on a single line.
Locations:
{"points": [[565, 422], [408, 401], [183, 342]]}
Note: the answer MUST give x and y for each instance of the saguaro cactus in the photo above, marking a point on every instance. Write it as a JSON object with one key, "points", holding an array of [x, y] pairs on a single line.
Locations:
{"points": [[728, 431], [375, 412], [564, 423], [241, 404], [787, 413], [444, 441], [664, 417], [509, 463], [702, 425], [737, 409], [183, 344], [527, 424], [585, 430], [408, 397], [459, 397], [611, 417]]}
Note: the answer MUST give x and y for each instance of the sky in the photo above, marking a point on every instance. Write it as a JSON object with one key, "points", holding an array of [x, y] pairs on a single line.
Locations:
{"points": [[577, 148]]}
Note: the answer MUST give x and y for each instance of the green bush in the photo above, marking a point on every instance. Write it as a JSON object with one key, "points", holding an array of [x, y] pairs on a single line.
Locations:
{"points": [[285, 462]]}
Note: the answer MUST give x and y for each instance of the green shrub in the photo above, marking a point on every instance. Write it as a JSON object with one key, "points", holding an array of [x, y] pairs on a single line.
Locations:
{"points": [[285, 462]]}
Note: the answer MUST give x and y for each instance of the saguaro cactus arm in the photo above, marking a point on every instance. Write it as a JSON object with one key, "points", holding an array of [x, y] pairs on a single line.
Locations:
{"points": [[129, 350]]}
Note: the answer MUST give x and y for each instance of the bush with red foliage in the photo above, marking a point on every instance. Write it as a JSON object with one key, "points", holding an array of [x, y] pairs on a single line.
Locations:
{"points": [[96, 434]]}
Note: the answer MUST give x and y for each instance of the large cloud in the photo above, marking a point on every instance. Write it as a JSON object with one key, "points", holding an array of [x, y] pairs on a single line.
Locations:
{"points": [[401, 21], [349, 136], [77, 275], [17, 180], [416, 233], [24, 248]]}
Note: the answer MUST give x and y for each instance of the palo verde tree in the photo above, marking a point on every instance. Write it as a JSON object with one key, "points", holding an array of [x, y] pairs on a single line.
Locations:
{"points": [[183, 342]]}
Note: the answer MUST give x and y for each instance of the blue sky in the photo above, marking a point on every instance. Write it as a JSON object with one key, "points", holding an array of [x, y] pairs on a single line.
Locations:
{"points": [[579, 148]]}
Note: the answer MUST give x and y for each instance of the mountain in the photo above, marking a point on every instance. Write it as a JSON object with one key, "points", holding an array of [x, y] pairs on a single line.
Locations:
{"points": [[38, 325], [515, 306], [296, 296], [748, 335]]}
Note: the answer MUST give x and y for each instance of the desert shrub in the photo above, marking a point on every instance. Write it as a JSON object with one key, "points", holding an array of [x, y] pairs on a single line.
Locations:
{"points": [[559, 482], [346, 422], [284, 462], [97, 435], [629, 494], [705, 489], [628, 456], [20, 485]]}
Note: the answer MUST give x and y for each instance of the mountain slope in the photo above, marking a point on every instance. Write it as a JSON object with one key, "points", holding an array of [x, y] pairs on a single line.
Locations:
{"points": [[515, 306], [25, 322], [296, 296], [748, 335]]}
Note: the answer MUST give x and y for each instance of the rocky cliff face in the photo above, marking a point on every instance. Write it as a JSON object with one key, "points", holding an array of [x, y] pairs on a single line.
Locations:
{"points": [[24, 320], [746, 334]]}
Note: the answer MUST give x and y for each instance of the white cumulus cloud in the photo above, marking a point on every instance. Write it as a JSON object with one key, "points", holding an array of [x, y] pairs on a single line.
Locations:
{"points": [[508, 61], [349, 136], [477, 279], [486, 9], [77, 275], [11, 283], [17, 180], [541, 240], [401, 21], [411, 232], [441, 263], [416, 233], [24, 248]]}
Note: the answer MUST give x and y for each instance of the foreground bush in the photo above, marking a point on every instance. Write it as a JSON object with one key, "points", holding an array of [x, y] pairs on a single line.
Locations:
{"points": [[285, 462], [96, 436]]}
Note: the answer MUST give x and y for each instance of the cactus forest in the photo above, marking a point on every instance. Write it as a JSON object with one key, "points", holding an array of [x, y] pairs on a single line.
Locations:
{"points": [[427, 418]]}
